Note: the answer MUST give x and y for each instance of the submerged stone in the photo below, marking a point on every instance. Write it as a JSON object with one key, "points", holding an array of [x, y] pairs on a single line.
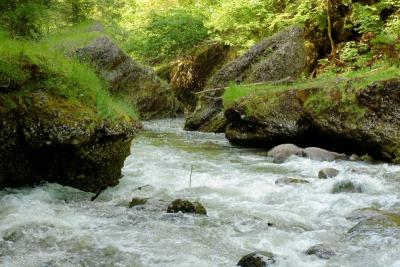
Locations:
{"points": [[288, 180], [346, 187], [186, 206], [137, 202], [320, 251], [257, 259], [327, 173], [373, 220]]}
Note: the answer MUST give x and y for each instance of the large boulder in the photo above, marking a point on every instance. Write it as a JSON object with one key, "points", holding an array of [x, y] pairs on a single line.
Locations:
{"points": [[280, 57], [52, 128], [362, 120], [128, 79]]}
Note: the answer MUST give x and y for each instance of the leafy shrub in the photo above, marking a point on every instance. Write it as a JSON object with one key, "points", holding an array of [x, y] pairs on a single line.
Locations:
{"points": [[366, 18], [167, 34], [26, 18]]}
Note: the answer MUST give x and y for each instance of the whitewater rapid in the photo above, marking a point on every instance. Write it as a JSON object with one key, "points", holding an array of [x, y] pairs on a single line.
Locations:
{"points": [[52, 225]]}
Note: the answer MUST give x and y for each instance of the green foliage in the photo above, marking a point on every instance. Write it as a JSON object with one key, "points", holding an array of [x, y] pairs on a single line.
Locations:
{"points": [[75, 11], [26, 18], [167, 34], [366, 18]]}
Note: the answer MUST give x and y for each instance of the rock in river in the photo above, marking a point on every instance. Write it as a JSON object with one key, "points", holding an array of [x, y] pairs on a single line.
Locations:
{"points": [[346, 187], [257, 259], [327, 173], [186, 206], [320, 251], [283, 152]]}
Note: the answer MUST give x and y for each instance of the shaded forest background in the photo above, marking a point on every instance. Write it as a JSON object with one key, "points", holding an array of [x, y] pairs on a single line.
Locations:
{"points": [[343, 34]]}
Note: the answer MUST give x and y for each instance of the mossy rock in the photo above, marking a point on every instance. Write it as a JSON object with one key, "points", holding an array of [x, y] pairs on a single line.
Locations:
{"points": [[137, 202], [361, 117], [374, 220], [186, 206], [257, 259], [53, 128], [281, 56], [130, 80]]}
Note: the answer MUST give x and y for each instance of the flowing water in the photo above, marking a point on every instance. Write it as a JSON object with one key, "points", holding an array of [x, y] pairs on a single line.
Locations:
{"points": [[52, 225]]}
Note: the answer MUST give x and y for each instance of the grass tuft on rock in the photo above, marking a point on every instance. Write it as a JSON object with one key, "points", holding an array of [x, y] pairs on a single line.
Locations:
{"points": [[353, 80], [27, 67]]}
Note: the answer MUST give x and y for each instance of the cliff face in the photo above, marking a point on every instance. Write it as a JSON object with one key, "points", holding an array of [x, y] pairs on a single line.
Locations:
{"points": [[352, 120]]}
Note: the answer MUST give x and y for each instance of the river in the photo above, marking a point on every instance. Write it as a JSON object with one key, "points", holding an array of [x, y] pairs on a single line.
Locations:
{"points": [[52, 225]]}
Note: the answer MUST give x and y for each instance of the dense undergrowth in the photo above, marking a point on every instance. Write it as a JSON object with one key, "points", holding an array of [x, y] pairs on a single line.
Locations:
{"points": [[27, 66]]}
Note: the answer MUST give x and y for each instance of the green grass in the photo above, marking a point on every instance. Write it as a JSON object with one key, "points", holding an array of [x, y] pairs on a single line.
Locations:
{"points": [[30, 66], [70, 38], [357, 80]]}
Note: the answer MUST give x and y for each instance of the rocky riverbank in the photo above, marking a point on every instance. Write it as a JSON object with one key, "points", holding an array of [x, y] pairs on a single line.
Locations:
{"points": [[351, 116]]}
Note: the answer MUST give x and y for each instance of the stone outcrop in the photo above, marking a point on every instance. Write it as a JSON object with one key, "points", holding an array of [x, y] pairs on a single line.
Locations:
{"points": [[358, 120], [280, 57], [42, 141], [128, 79], [53, 128]]}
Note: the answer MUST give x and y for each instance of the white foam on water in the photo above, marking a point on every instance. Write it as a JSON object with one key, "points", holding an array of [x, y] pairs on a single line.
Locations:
{"points": [[52, 225]]}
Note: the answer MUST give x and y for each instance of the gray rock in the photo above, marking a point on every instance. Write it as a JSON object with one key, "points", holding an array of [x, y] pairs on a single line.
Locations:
{"points": [[373, 220], [327, 173], [275, 58], [346, 187], [320, 154], [137, 202], [282, 152], [320, 251], [128, 79], [257, 259], [288, 180]]}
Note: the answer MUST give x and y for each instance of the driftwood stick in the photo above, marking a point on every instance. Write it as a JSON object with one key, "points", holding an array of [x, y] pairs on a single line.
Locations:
{"points": [[190, 177], [97, 194]]}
